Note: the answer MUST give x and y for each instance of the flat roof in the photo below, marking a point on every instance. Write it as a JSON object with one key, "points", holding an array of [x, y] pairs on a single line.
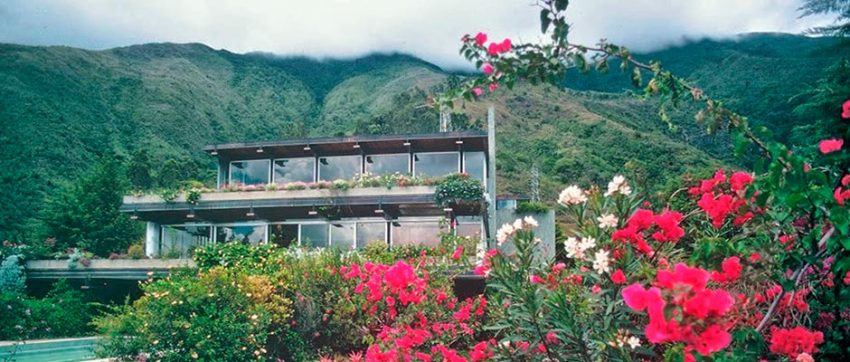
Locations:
{"points": [[370, 144]]}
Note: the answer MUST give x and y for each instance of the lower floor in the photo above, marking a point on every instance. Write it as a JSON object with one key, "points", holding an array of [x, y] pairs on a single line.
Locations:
{"points": [[178, 240]]}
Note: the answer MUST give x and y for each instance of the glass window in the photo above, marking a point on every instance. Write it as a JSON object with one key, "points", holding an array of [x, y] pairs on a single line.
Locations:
{"points": [[435, 164], [338, 167], [416, 233], [294, 170], [283, 235], [472, 230], [314, 235], [505, 204], [368, 232], [473, 163], [248, 234], [342, 236], [178, 241], [252, 172], [388, 164]]}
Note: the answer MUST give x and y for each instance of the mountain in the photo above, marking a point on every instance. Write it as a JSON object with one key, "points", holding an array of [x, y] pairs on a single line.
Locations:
{"points": [[155, 105]]}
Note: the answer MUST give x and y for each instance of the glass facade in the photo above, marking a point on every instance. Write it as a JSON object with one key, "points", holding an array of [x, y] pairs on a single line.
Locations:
{"points": [[288, 170], [342, 236], [371, 232], [416, 233], [388, 164], [283, 235], [435, 164], [253, 234], [475, 166], [251, 172], [314, 235], [338, 167], [178, 241]]}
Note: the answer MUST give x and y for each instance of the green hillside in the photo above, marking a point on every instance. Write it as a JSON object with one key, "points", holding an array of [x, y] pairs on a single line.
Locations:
{"points": [[155, 105]]}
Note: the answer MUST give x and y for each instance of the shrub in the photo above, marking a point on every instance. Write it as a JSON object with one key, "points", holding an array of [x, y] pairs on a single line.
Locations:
{"points": [[12, 278], [219, 314], [64, 312], [532, 207], [458, 188], [136, 251]]}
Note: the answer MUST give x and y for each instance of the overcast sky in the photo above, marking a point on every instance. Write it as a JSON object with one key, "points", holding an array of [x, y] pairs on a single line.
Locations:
{"points": [[430, 29]]}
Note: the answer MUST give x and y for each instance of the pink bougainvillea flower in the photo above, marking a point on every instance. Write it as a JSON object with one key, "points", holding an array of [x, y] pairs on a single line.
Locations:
{"points": [[487, 68], [492, 87], [739, 180], [618, 277], [457, 253], [535, 279], [830, 145], [846, 109], [480, 39], [477, 91], [730, 270], [596, 289], [754, 257]]}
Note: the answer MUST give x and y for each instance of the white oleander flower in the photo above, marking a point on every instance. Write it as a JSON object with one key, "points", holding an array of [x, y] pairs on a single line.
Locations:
{"points": [[572, 248], [572, 195], [607, 221], [618, 185], [633, 342], [518, 224], [504, 233], [530, 222], [601, 264]]}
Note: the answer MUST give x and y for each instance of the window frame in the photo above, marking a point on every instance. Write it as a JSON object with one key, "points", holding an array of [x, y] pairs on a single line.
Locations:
{"points": [[414, 154], [269, 174], [314, 172], [318, 177], [247, 223], [407, 154]]}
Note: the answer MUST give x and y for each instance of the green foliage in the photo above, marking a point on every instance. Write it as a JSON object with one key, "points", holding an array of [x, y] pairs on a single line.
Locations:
{"points": [[136, 251], [12, 277], [85, 214], [64, 312], [532, 207], [457, 189], [220, 314]]}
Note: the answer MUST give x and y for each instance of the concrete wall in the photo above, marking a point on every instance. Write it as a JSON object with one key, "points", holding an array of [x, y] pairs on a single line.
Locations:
{"points": [[545, 231]]}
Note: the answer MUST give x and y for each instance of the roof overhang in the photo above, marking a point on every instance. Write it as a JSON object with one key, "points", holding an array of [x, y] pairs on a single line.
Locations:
{"points": [[368, 144]]}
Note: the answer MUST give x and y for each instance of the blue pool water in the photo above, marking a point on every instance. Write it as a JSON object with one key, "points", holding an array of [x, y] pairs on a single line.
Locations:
{"points": [[58, 350]]}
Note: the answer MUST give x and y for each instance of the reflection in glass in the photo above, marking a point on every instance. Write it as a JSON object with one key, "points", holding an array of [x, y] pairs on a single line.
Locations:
{"points": [[247, 234], [435, 164], [371, 232], [342, 236], [314, 235], [283, 235], [388, 164], [294, 170], [472, 230], [338, 167], [416, 233], [178, 241], [252, 172], [473, 162]]}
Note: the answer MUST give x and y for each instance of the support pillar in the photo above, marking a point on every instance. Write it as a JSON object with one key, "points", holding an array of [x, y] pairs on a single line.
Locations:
{"points": [[152, 239]]}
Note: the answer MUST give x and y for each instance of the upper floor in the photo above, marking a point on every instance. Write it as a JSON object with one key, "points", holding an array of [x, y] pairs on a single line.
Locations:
{"points": [[344, 158]]}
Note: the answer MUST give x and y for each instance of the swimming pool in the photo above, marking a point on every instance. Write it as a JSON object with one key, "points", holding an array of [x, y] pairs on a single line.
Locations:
{"points": [[54, 350]]}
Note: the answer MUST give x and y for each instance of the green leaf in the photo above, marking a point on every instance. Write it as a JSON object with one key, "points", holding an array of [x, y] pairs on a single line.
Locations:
{"points": [[544, 20], [636, 77], [561, 5]]}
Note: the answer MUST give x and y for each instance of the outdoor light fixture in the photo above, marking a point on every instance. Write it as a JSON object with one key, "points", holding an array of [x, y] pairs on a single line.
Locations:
{"points": [[307, 148], [448, 209], [356, 145], [407, 143], [459, 142], [259, 150], [191, 214], [312, 212], [214, 152], [135, 215], [250, 212], [379, 210]]}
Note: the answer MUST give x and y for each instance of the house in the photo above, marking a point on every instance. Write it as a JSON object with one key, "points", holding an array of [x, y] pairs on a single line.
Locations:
{"points": [[340, 192]]}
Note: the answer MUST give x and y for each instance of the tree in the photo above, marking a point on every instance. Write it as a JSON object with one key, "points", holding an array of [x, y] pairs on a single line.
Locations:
{"points": [[85, 214], [841, 8]]}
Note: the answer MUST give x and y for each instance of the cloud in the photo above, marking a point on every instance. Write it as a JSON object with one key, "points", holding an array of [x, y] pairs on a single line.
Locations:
{"points": [[430, 29]]}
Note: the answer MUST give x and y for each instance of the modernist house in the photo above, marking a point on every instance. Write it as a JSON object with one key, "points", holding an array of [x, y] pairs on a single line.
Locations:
{"points": [[286, 192]]}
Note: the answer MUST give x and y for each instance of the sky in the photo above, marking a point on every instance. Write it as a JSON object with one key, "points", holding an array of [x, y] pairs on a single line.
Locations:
{"points": [[429, 29]]}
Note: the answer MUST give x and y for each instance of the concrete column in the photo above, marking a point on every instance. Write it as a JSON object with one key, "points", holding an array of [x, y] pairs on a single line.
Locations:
{"points": [[152, 239], [491, 194]]}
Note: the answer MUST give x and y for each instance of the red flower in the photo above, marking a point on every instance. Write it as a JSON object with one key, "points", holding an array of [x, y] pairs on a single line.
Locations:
{"points": [[618, 277], [731, 270], [740, 180], [480, 39], [487, 68], [498, 48], [711, 340], [754, 257], [535, 279], [846, 110], [596, 289], [457, 253], [792, 342], [830, 145]]}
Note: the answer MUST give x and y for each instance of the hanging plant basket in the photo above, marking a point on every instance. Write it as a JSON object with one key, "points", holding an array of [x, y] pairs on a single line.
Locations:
{"points": [[458, 190]]}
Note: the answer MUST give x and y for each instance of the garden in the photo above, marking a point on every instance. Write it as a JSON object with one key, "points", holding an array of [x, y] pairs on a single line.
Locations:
{"points": [[737, 265]]}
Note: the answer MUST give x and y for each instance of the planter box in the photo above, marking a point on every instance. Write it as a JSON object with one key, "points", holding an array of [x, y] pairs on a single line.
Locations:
{"points": [[287, 194], [134, 269]]}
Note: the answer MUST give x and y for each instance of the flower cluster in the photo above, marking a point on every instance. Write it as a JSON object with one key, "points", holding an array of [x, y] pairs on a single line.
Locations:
{"points": [[795, 341], [718, 201], [618, 185], [682, 308], [664, 227], [508, 230], [572, 195]]}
